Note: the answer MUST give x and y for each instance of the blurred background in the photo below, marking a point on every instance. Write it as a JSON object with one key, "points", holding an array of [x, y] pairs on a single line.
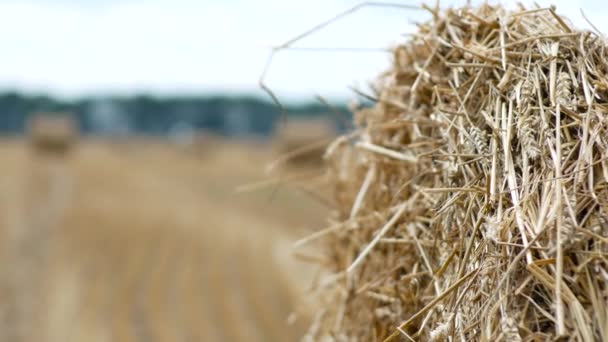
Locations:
{"points": [[150, 189]]}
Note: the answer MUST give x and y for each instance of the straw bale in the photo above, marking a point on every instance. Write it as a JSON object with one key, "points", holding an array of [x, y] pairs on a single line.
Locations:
{"points": [[52, 133], [472, 201], [299, 139]]}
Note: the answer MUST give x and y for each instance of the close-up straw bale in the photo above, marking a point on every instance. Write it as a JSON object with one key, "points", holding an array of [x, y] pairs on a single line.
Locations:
{"points": [[472, 198]]}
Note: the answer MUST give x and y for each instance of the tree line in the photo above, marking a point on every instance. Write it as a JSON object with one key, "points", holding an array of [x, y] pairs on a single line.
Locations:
{"points": [[152, 115]]}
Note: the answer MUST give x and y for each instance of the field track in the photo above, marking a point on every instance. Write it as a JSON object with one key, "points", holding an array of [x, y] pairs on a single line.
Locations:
{"points": [[150, 243]]}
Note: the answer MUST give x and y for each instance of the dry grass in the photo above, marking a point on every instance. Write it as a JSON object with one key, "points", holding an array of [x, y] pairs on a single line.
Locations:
{"points": [[472, 200]]}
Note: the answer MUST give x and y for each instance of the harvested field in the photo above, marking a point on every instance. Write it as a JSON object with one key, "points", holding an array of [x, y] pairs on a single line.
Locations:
{"points": [[145, 242]]}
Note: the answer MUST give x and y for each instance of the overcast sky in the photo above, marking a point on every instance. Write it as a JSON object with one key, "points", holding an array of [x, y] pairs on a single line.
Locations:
{"points": [[77, 47]]}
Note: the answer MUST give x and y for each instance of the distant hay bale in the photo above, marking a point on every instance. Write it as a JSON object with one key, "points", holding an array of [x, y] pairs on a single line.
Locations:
{"points": [[52, 133], [203, 144], [472, 202], [303, 141]]}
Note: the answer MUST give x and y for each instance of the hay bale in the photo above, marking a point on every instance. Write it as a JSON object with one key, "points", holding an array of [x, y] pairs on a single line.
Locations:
{"points": [[302, 141], [52, 133], [473, 201]]}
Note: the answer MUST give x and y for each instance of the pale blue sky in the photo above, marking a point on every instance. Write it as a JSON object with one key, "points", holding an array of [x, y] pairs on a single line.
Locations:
{"points": [[75, 47]]}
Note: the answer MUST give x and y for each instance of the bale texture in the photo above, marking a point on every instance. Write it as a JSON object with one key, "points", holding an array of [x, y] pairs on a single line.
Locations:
{"points": [[472, 200]]}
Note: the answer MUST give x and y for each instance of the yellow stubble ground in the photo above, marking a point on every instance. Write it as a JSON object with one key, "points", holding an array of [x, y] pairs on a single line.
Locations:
{"points": [[147, 242]]}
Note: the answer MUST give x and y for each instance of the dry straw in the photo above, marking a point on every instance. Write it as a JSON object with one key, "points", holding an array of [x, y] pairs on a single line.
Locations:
{"points": [[472, 201]]}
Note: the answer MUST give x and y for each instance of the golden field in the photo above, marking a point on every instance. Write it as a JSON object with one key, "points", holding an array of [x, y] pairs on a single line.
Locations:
{"points": [[144, 241]]}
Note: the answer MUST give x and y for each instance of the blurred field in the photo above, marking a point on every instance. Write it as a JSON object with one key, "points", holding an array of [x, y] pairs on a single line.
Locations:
{"points": [[143, 241]]}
